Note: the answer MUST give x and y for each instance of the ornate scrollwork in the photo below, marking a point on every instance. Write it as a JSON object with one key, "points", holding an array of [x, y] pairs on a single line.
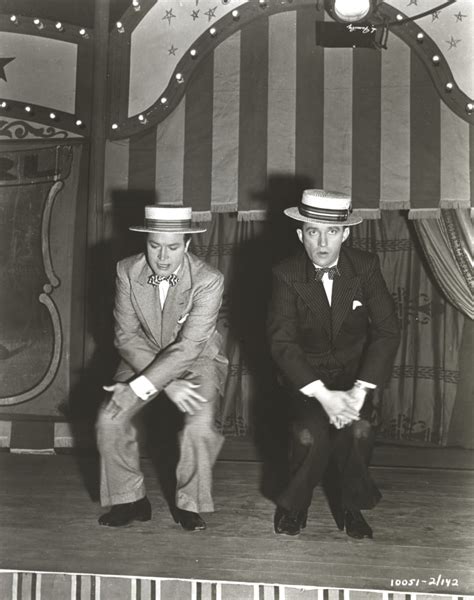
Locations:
{"points": [[45, 299], [20, 129]]}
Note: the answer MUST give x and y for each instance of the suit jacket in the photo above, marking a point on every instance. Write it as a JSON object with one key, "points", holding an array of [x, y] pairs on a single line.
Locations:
{"points": [[354, 338], [182, 338]]}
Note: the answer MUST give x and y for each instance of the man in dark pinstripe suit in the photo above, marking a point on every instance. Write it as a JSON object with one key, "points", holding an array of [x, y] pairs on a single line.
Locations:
{"points": [[333, 335]]}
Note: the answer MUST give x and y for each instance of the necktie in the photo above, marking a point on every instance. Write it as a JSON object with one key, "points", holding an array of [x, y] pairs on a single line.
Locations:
{"points": [[331, 271], [157, 279]]}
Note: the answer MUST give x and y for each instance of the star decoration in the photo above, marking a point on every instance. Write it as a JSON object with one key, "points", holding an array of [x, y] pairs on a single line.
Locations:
{"points": [[459, 16], [435, 15], [413, 2], [211, 13], [195, 14], [3, 63], [168, 16], [452, 43], [172, 50]]}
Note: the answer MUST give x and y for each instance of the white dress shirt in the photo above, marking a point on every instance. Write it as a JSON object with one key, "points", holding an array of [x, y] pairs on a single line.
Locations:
{"points": [[311, 388], [142, 386]]}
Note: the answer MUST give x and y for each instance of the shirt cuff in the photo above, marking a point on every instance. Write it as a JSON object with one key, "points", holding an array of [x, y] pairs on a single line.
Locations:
{"points": [[366, 384], [143, 387], [310, 388]]}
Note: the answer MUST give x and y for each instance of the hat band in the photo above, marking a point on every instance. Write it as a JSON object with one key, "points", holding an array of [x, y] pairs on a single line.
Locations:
{"points": [[168, 225], [335, 216]]}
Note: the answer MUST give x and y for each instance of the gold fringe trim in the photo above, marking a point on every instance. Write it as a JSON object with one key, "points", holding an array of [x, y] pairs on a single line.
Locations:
{"points": [[224, 207], [202, 215], [395, 205], [252, 215], [424, 213], [367, 213], [454, 203]]}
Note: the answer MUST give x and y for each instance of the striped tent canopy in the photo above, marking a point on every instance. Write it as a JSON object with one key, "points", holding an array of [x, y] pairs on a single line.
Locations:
{"points": [[267, 103]]}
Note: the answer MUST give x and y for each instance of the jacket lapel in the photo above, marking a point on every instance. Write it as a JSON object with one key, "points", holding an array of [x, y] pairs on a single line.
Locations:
{"points": [[313, 294], [148, 300], [344, 289], [176, 301]]}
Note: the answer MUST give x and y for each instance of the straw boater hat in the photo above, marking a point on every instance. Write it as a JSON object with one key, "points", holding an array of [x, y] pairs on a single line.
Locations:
{"points": [[321, 206], [168, 219]]}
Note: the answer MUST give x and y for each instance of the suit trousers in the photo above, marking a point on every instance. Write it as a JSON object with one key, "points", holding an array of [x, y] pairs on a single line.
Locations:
{"points": [[337, 457], [121, 479]]}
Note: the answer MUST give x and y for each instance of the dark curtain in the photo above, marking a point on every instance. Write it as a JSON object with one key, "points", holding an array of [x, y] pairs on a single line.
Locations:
{"points": [[417, 404]]}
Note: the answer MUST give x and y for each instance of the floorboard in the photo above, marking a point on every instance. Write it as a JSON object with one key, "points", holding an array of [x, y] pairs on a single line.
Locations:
{"points": [[423, 528]]}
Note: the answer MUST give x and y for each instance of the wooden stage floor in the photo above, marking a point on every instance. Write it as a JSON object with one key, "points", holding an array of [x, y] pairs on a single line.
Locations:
{"points": [[423, 529]]}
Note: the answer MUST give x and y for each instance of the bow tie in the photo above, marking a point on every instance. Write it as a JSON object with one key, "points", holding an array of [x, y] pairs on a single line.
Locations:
{"points": [[157, 279], [331, 271]]}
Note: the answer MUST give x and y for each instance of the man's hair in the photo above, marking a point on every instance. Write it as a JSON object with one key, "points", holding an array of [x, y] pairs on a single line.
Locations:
{"points": [[186, 237]]}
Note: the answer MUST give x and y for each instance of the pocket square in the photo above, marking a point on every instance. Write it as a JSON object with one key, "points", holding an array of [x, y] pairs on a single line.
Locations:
{"points": [[355, 304], [182, 319]]}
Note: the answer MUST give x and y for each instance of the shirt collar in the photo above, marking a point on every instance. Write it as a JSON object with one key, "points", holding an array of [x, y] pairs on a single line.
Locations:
{"points": [[334, 264]]}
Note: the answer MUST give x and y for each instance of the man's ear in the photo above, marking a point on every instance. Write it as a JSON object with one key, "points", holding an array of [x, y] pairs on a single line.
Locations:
{"points": [[345, 234], [186, 245], [299, 233]]}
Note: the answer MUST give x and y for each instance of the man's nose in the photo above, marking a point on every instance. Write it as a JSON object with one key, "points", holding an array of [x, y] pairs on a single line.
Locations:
{"points": [[323, 241], [162, 253]]}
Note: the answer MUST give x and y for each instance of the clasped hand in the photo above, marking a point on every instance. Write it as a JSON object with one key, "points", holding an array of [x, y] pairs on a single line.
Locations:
{"points": [[341, 407]]}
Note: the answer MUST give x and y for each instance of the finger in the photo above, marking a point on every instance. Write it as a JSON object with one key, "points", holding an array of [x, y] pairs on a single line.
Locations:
{"points": [[349, 412], [187, 407], [194, 404], [110, 407], [196, 396], [109, 388], [182, 406], [112, 410]]}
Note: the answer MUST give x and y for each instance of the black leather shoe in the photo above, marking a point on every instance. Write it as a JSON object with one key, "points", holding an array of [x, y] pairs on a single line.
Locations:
{"points": [[290, 522], [190, 521], [123, 514], [356, 526]]}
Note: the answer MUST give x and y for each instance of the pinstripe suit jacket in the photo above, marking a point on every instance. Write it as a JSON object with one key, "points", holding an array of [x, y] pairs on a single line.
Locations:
{"points": [[354, 338], [182, 338]]}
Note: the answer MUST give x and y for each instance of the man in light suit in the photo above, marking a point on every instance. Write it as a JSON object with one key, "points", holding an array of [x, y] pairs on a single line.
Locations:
{"points": [[166, 308], [333, 335]]}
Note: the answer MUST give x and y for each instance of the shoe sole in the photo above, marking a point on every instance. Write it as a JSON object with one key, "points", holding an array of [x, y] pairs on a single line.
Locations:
{"points": [[139, 519]]}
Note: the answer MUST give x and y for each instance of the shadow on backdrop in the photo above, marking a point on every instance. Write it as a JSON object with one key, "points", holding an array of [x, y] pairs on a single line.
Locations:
{"points": [[87, 396], [249, 293]]}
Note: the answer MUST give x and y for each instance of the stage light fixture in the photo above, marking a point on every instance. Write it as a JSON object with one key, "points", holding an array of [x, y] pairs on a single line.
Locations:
{"points": [[350, 11]]}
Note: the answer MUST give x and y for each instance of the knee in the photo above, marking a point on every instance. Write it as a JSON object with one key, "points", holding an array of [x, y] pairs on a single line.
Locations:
{"points": [[307, 434], [106, 424], [305, 437], [361, 430]]}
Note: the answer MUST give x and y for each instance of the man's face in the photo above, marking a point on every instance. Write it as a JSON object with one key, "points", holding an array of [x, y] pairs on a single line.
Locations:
{"points": [[165, 252], [322, 242]]}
